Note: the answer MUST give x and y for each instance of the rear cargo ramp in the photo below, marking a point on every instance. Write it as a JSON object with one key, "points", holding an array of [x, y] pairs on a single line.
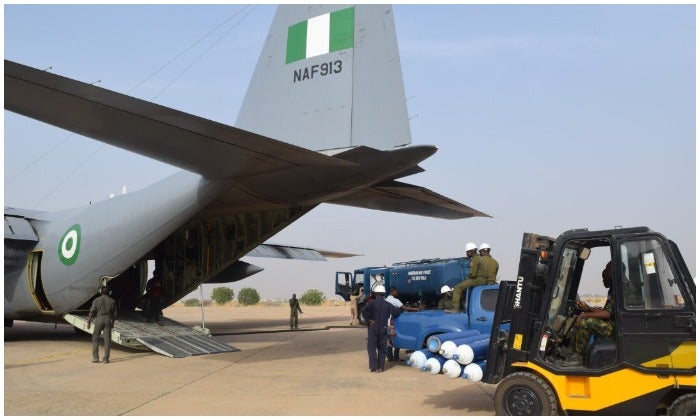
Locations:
{"points": [[169, 338]]}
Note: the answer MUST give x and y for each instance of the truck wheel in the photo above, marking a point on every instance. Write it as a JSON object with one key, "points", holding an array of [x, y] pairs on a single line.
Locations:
{"points": [[683, 406], [525, 394]]}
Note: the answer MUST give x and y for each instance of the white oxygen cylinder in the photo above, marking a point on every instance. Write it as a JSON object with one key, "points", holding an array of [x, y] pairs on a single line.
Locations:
{"points": [[417, 359], [464, 354], [452, 369], [433, 366], [473, 372], [447, 349]]}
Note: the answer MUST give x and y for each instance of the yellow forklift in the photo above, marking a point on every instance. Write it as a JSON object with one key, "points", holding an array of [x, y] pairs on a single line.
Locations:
{"points": [[643, 364]]}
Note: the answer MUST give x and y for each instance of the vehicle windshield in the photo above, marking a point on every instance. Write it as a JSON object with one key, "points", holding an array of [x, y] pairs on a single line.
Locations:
{"points": [[565, 273]]}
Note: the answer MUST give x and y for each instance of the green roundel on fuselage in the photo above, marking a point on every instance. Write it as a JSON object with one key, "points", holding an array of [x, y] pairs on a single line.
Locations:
{"points": [[69, 245]]}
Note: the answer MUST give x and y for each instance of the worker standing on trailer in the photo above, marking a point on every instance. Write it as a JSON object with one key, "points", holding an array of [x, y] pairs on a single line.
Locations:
{"points": [[477, 276], [488, 263]]}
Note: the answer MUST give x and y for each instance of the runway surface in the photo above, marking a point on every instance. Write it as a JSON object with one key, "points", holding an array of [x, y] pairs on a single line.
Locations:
{"points": [[321, 369]]}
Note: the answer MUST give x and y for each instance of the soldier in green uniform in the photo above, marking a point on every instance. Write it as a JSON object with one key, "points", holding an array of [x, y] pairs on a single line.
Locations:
{"points": [[490, 265], [445, 298], [103, 311], [596, 321], [294, 311], [477, 276]]}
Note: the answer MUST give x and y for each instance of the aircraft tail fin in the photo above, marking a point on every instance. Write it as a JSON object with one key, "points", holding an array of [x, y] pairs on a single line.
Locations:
{"points": [[329, 77]]}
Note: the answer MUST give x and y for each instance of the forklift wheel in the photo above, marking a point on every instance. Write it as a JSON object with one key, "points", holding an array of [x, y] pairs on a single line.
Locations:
{"points": [[683, 406], [525, 394]]}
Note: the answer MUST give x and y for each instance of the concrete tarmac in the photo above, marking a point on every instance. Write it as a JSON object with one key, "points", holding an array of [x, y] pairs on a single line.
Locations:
{"points": [[321, 369]]}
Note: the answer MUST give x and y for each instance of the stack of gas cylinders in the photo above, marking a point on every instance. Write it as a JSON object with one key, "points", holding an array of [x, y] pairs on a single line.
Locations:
{"points": [[456, 355]]}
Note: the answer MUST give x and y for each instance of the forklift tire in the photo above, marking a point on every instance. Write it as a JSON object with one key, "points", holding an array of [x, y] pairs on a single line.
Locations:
{"points": [[525, 394], [682, 406]]}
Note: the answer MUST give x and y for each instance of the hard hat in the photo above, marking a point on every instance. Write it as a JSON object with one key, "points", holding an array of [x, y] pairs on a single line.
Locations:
{"points": [[445, 289], [484, 246], [379, 289], [470, 246]]}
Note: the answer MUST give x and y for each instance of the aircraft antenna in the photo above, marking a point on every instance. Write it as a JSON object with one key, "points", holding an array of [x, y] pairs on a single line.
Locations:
{"points": [[192, 46], [196, 60]]}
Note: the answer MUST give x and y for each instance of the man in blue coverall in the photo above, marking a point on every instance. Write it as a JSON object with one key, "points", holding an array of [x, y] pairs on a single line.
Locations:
{"points": [[377, 314]]}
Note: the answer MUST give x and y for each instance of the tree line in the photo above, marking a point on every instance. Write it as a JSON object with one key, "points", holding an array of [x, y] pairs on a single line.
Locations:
{"points": [[250, 296]]}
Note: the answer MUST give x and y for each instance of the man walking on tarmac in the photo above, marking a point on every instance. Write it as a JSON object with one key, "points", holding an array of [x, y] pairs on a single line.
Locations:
{"points": [[377, 313], [104, 311], [477, 276], [354, 314], [294, 311]]}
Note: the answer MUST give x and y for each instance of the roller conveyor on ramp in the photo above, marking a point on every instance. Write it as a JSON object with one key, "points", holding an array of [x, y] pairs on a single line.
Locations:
{"points": [[169, 337]]}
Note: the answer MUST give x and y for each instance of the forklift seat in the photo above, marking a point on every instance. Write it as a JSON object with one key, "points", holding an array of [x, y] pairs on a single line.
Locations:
{"points": [[601, 353]]}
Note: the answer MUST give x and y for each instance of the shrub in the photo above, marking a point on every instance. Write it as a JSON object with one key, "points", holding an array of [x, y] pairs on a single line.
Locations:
{"points": [[248, 296], [222, 295], [192, 302], [312, 297]]}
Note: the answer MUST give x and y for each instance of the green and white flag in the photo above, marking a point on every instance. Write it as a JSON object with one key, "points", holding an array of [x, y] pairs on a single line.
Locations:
{"points": [[320, 35]]}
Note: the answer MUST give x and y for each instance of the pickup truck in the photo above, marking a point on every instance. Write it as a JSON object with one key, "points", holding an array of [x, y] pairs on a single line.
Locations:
{"points": [[413, 328]]}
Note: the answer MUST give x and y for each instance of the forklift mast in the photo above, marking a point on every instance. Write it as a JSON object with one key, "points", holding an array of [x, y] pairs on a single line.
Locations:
{"points": [[519, 304]]}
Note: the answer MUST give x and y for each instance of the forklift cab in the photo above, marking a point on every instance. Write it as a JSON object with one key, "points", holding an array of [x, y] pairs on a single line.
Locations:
{"points": [[651, 298]]}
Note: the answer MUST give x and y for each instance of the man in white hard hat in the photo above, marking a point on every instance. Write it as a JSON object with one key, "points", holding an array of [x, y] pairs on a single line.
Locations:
{"points": [[445, 298], [477, 275], [377, 313], [393, 353], [489, 263]]}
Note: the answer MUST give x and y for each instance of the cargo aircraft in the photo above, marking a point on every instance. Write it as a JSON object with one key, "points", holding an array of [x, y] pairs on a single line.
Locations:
{"points": [[324, 120]]}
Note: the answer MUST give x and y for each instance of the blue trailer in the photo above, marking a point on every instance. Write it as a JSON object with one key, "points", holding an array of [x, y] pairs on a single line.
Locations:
{"points": [[418, 282]]}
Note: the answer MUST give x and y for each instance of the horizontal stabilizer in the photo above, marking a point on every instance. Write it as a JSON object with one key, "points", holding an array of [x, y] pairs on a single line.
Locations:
{"points": [[400, 197], [189, 142], [295, 253], [237, 271]]}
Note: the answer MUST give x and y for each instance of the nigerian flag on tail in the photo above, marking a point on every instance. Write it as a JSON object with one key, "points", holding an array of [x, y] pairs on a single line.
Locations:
{"points": [[321, 35]]}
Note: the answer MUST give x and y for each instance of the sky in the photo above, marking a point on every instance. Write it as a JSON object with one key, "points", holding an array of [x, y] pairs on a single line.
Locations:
{"points": [[546, 117]]}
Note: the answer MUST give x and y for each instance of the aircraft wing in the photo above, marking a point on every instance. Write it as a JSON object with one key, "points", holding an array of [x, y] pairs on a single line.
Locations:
{"points": [[196, 144], [268, 171], [406, 198], [295, 253]]}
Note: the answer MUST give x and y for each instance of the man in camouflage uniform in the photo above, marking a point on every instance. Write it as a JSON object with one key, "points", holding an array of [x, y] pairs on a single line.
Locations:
{"points": [[294, 311], [596, 321], [477, 276]]}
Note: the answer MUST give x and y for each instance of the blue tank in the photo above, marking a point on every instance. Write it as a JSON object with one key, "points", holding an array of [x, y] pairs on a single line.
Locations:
{"points": [[418, 281]]}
